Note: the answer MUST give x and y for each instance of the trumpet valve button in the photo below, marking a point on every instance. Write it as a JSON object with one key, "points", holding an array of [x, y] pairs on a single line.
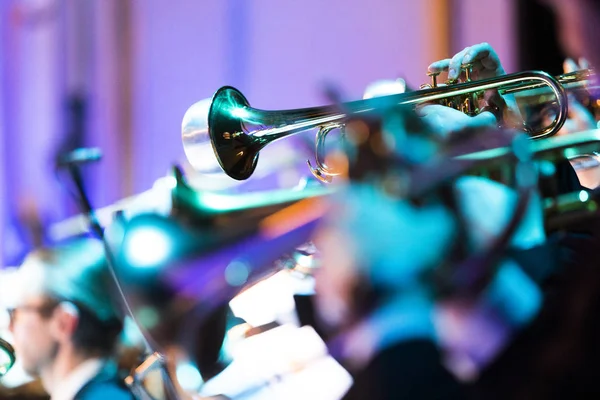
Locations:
{"points": [[468, 68], [433, 76]]}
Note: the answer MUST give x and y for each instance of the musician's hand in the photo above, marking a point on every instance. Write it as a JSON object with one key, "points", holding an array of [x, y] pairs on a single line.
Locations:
{"points": [[486, 63], [569, 65], [580, 118], [446, 120]]}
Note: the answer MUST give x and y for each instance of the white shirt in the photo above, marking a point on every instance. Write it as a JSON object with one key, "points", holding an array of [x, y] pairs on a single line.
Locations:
{"points": [[76, 379]]}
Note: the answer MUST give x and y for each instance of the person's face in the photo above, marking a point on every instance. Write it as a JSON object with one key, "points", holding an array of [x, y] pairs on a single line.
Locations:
{"points": [[31, 325], [336, 280]]}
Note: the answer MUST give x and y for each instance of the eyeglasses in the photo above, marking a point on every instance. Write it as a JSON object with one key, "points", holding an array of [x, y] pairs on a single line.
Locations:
{"points": [[43, 309]]}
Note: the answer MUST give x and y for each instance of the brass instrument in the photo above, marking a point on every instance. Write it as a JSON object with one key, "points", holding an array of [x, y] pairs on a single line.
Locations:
{"points": [[239, 237], [202, 223], [584, 162], [214, 245], [551, 149], [570, 81], [238, 132], [563, 209], [7, 357], [582, 85]]}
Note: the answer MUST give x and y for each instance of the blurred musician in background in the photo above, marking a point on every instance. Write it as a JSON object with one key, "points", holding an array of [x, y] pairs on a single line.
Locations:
{"points": [[580, 118], [374, 303], [375, 289], [556, 356], [578, 28], [574, 324], [64, 326]]}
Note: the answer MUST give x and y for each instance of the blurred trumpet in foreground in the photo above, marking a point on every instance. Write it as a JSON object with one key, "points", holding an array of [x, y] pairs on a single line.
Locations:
{"points": [[580, 148], [184, 268]]}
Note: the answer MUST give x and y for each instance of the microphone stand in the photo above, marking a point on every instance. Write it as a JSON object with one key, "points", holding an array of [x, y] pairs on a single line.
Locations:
{"points": [[135, 380]]}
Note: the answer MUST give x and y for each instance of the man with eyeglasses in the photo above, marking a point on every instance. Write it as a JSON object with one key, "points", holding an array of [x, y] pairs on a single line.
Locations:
{"points": [[64, 325]]}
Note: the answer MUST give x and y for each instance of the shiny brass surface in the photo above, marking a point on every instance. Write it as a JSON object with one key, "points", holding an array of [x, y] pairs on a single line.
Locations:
{"points": [[580, 83], [7, 357], [584, 78], [550, 149], [237, 132], [582, 162], [214, 209]]}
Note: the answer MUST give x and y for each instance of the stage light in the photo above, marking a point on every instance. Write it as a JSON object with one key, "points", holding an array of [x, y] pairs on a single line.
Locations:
{"points": [[147, 246]]}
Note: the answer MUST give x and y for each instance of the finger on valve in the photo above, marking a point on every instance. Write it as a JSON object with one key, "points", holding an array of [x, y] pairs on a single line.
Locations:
{"points": [[484, 59]]}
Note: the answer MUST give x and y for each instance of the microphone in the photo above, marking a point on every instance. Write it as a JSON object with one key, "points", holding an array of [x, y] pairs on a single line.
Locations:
{"points": [[79, 156], [72, 161]]}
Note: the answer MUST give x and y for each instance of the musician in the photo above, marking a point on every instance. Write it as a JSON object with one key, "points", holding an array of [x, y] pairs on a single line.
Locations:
{"points": [[370, 297], [376, 292], [373, 287], [486, 64], [575, 372], [537, 364], [64, 325], [578, 23], [498, 110]]}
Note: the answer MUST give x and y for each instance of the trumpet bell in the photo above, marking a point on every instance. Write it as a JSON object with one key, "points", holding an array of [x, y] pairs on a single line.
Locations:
{"points": [[217, 121]]}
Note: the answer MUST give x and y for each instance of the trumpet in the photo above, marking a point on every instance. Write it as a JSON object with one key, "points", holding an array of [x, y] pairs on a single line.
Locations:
{"points": [[580, 83], [237, 132], [570, 81], [551, 150]]}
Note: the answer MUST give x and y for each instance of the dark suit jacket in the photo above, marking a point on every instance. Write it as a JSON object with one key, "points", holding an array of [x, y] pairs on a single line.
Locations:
{"points": [[556, 355], [408, 370], [106, 385]]}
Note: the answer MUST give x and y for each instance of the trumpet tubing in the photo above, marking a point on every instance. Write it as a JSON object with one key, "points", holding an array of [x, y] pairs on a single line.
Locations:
{"points": [[549, 150], [580, 83], [237, 132], [570, 81]]}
